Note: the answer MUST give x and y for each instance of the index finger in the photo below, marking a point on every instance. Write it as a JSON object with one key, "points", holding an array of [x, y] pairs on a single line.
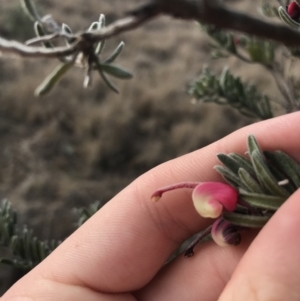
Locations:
{"points": [[130, 238]]}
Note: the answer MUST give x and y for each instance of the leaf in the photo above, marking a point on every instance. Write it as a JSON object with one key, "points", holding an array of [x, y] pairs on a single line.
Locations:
{"points": [[229, 162], [104, 77], [261, 51], [7, 261], [102, 21], [67, 29], [53, 78], [286, 164], [39, 31], [100, 45], [116, 71], [34, 250], [41, 250], [265, 177], [228, 174], [115, 53], [262, 201], [243, 162], [248, 221], [27, 237], [20, 264], [30, 9], [254, 146], [248, 181], [94, 26], [15, 244], [266, 107]]}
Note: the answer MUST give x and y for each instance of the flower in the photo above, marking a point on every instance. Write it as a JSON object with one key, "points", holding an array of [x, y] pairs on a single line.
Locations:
{"points": [[209, 198], [293, 10], [224, 233]]}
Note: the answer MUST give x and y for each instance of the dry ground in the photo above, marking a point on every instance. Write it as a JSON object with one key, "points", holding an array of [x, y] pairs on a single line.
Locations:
{"points": [[76, 146]]}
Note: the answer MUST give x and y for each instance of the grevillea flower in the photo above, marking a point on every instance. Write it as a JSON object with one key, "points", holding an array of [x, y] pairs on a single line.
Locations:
{"points": [[224, 233], [293, 10], [209, 198]]}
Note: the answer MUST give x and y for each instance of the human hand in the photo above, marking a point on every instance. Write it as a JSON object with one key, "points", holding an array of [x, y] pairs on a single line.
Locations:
{"points": [[119, 253]]}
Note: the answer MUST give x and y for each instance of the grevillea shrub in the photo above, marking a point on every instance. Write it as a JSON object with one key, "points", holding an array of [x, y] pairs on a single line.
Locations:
{"points": [[257, 185]]}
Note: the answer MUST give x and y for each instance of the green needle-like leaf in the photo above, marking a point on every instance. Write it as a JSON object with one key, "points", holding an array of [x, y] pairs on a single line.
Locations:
{"points": [[39, 31], [11, 262], [116, 71], [265, 107], [249, 182], [227, 174], [262, 201], [102, 20], [248, 221], [254, 146], [41, 250], [15, 244], [67, 29], [34, 249], [94, 26], [53, 78], [30, 10], [100, 45], [105, 78], [286, 164], [243, 162], [265, 177], [115, 53], [229, 162]]}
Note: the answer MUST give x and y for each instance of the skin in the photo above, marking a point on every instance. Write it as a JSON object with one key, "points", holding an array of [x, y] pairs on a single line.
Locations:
{"points": [[119, 253]]}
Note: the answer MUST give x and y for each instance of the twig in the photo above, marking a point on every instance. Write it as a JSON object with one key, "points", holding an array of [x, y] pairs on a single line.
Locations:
{"points": [[205, 11], [83, 39]]}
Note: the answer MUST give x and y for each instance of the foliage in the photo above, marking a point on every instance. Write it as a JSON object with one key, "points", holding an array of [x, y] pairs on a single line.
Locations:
{"points": [[84, 213], [264, 180], [229, 90], [276, 59], [26, 249], [256, 177], [89, 60]]}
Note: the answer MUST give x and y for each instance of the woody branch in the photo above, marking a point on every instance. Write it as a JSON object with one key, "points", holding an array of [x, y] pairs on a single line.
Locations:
{"points": [[212, 12]]}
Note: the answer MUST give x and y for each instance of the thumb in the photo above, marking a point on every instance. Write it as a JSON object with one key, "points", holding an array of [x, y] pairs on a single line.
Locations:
{"points": [[270, 269]]}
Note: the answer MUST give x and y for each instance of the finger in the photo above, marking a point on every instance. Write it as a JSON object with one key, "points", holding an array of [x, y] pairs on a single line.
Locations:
{"points": [[205, 274], [130, 238], [270, 269]]}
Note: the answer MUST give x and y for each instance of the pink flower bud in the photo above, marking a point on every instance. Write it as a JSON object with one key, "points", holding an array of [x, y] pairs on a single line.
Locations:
{"points": [[293, 10], [212, 198], [225, 234]]}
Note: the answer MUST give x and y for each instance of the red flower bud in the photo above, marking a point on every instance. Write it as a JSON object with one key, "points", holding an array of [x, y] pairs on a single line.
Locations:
{"points": [[293, 10], [212, 198]]}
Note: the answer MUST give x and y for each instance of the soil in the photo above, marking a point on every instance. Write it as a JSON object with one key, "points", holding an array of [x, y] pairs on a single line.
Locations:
{"points": [[79, 145]]}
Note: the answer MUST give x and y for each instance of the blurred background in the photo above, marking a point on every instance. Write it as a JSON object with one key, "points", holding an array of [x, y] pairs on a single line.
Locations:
{"points": [[76, 146]]}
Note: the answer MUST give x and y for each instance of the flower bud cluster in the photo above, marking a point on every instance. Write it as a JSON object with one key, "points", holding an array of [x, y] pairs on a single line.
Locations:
{"points": [[210, 200]]}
